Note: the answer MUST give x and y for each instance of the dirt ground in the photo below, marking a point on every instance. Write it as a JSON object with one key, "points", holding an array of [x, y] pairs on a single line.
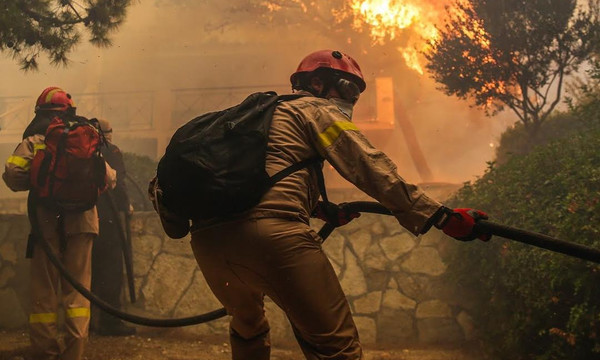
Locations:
{"points": [[171, 345]]}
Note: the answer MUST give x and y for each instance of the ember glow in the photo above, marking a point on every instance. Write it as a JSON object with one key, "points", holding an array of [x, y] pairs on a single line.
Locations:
{"points": [[387, 20], [407, 25], [475, 32]]}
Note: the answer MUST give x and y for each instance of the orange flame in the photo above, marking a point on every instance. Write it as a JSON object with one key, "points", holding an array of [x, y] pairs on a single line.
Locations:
{"points": [[478, 34], [384, 17], [389, 19], [413, 22], [411, 58]]}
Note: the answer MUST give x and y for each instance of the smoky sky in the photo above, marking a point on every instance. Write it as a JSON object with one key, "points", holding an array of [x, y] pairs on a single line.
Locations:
{"points": [[204, 44]]}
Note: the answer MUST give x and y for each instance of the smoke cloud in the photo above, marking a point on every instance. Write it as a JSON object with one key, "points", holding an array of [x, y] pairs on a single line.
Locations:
{"points": [[230, 50]]}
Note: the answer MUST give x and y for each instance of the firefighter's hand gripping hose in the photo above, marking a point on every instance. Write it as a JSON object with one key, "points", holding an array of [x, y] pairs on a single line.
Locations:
{"points": [[485, 227], [460, 224], [481, 226]]}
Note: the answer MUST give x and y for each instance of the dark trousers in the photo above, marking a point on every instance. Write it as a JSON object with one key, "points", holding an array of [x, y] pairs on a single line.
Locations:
{"points": [[107, 272]]}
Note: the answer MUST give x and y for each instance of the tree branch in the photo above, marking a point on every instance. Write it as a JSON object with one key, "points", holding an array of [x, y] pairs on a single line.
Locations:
{"points": [[46, 19], [557, 98]]}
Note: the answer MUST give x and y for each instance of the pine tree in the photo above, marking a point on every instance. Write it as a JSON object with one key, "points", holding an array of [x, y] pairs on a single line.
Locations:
{"points": [[30, 28]]}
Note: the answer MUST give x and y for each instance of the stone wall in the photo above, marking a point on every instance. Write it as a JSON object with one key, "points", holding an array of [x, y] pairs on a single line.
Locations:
{"points": [[13, 205], [393, 281], [14, 271]]}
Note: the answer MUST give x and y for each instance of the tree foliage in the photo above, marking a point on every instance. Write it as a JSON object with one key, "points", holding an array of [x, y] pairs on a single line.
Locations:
{"points": [[29, 28], [531, 303], [513, 53]]}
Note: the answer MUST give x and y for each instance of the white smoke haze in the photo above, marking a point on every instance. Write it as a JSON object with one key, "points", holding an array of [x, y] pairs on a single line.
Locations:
{"points": [[168, 45]]}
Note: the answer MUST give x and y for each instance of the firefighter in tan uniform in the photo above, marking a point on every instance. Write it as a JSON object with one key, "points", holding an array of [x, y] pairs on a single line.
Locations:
{"points": [[272, 250], [80, 229]]}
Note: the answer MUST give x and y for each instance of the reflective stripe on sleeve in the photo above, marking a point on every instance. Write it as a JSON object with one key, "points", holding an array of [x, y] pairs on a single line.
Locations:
{"points": [[37, 147], [330, 135], [78, 312], [19, 162], [42, 318]]}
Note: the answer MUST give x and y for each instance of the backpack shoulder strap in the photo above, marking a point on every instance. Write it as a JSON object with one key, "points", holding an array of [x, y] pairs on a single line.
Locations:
{"points": [[293, 168], [318, 167], [288, 97], [316, 163]]}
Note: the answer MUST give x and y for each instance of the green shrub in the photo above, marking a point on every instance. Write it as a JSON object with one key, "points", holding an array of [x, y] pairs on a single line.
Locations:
{"points": [[517, 141], [532, 303], [583, 114]]}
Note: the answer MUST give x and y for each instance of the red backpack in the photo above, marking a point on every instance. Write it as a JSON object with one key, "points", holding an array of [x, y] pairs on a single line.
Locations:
{"points": [[69, 173]]}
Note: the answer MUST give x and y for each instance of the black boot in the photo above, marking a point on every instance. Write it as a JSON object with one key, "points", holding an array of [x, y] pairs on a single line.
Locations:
{"points": [[115, 327]]}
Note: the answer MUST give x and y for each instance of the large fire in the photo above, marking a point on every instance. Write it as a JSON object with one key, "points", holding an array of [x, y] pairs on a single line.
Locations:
{"points": [[408, 24], [413, 22], [387, 20]]}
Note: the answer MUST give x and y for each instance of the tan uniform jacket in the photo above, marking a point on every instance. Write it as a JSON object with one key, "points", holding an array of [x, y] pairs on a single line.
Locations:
{"points": [[16, 177], [311, 126]]}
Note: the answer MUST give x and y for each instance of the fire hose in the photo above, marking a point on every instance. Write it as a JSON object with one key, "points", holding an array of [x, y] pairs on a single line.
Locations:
{"points": [[104, 306], [527, 237], [487, 227], [125, 239]]}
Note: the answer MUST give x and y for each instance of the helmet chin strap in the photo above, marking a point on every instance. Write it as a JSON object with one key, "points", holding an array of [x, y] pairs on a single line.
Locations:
{"points": [[348, 90], [324, 91]]}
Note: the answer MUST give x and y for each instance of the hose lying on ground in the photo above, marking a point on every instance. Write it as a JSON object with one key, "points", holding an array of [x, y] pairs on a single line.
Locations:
{"points": [[140, 320]]}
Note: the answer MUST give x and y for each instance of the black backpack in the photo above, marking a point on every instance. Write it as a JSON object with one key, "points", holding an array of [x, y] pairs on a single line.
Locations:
{"points": [[214, 165]]}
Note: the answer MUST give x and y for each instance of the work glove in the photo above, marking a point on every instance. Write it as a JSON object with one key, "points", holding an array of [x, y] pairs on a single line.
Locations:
{"points": [[333, 214], [460, 224]]}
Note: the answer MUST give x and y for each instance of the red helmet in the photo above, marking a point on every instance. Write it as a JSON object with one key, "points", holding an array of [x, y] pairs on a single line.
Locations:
{"points": [[54, 98], [330, 59]]}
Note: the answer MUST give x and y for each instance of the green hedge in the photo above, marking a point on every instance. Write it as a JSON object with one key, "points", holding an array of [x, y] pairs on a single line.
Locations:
{"points": [[532, 303], [517, 141]]}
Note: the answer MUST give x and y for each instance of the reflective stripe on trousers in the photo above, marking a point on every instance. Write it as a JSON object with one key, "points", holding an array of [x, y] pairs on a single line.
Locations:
{"points": [[45, 301]]}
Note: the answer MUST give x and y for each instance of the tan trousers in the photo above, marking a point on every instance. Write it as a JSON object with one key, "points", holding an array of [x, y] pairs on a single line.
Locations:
{"points": [[45, 280], [244, 260]]}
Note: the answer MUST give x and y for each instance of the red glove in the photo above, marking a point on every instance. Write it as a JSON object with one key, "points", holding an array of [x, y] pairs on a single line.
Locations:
{"points": [[333, 214], [459, 224]]}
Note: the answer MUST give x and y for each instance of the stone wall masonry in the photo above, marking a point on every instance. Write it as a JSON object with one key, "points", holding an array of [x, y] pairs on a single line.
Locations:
{"points": [[393, 280], [14, 271]]}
